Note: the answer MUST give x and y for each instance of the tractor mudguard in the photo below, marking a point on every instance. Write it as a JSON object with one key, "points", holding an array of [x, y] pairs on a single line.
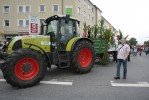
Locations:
{"points": [[71, 44], [37, 42], [45, 54]]}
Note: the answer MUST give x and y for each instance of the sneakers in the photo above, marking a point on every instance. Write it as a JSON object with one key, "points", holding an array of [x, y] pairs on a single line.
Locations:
{"points": [[116, 77]]}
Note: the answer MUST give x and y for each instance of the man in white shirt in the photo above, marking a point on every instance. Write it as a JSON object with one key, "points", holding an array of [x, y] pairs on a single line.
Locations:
{"points": [[122, 56]]}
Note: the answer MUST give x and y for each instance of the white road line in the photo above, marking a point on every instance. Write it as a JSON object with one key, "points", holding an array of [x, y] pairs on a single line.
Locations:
{"points": [[53, 81], [56, 82], [2, 80], [138, 84]]}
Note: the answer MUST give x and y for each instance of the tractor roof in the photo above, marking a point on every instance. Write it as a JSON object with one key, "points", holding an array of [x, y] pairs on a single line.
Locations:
{"points": [[56, 17]]}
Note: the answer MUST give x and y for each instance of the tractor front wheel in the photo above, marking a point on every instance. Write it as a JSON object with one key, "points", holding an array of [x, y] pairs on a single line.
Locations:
{"points": [[24, 68], [83, 57]]}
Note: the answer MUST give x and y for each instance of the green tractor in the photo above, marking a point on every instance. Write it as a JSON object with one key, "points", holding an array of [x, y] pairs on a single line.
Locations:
{"points": [[29, 56]]}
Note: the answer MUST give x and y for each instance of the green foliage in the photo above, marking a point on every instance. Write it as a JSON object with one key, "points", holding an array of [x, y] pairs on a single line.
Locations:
{"points": [[121, 35], [100, 32], [89, 28], [146, 43], [133, 41], [85, 29], [95, 30], [102, 29], [126, 37], [108, 36]]}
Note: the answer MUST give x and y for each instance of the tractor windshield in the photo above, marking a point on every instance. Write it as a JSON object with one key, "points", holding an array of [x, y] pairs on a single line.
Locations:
{"points": [[52, 27], [49, 29], [67, 31]]}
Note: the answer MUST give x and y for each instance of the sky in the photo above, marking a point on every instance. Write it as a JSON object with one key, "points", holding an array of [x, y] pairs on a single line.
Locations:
{"points": [[130, 16]]}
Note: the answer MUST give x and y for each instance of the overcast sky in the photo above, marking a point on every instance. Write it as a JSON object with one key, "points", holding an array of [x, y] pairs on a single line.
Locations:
{"points": [[131, 16]]}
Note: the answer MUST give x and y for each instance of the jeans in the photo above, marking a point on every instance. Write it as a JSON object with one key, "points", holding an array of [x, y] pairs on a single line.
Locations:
{"points": [[124, 62]]}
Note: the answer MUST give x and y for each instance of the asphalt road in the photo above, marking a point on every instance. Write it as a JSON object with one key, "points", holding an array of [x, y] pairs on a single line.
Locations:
{"points": [[95, 85]]}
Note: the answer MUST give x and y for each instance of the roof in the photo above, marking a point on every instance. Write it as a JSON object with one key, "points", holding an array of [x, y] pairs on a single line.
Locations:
{"points": [[95, 6], [58, 17]]}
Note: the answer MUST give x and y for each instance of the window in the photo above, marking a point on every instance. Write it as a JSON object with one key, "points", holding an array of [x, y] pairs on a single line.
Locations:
{"points": [[6, 9], [88, 6], [88, 16], [55, 8], [27, 8], [92, 18], [20, 23], [42, 8], [24, 8], [84, 2], [6, 23], [27, 22], [84, 14], [79, 11], [23, 22], [20, 9], [93, 10]]}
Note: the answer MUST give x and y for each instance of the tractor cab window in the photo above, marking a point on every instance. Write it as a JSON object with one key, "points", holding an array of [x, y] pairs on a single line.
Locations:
{"points": [[66, 30], [52, 31], [77, 29], [52, 28]]}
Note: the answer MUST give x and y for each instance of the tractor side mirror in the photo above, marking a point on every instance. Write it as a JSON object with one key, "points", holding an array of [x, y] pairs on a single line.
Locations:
{"points": [[67, 19]]}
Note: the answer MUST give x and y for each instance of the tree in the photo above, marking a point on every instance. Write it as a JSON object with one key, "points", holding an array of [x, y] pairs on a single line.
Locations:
{"points": [[95, 30], [85, 28], [89, 29], [146, 43], [121, 35], [133, 41], [107, 35]]}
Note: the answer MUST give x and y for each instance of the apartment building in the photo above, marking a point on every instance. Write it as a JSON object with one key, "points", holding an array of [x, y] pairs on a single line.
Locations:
{"points": [[14, 14]]}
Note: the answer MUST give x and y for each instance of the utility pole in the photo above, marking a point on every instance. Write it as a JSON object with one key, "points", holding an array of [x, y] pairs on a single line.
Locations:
{"points": [[62, 7]]}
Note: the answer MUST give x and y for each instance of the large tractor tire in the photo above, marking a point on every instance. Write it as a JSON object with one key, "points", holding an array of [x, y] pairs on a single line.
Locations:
{"points": [[83, 57], [24, 68]]}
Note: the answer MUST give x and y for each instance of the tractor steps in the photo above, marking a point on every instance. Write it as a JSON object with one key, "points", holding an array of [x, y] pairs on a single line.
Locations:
{"points": [[62, 59]]}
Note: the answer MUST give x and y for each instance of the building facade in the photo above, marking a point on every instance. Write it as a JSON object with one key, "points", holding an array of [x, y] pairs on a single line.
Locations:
{"points": [[14, 14], [107, 24]]}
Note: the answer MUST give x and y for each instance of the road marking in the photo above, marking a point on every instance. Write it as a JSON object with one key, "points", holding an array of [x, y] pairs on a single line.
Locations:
{"points": [[57, 83], [2, 80], [138, 84], [53, 81]]}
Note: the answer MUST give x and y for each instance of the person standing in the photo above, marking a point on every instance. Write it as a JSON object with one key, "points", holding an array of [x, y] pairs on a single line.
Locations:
{"points": [[146, 50], [1, 49], [122, 56], [139, 50]]}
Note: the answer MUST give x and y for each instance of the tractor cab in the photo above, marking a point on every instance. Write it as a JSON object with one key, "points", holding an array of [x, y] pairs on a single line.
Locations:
{"points": [[61, 29]]}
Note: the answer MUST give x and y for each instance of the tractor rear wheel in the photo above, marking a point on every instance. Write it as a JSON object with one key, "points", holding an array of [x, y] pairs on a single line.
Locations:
{"points": [[83, 57], [24, 68]]}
